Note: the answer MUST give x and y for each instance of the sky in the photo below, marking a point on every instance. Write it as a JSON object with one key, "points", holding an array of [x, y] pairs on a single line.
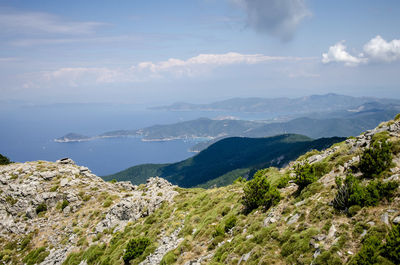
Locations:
{"points": [[153, 52]]}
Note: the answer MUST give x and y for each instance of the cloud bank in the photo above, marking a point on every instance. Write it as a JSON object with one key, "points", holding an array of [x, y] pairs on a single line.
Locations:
{"points": [[144, 71], [279, 18], [376, 50]]}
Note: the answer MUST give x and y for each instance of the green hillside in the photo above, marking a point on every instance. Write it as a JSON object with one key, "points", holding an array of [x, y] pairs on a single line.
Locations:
{"points": [[230, 158]]}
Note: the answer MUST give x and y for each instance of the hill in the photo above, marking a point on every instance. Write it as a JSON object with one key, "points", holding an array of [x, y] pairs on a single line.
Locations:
{"points": [[314, 103], [226, 157], [337, 206]]}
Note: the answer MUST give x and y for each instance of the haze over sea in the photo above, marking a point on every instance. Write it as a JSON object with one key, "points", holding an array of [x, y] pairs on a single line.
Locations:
{"points": [[28, 134]]}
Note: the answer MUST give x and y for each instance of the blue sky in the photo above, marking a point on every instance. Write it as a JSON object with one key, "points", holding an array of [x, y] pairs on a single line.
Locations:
{"points": [[198, 50]]}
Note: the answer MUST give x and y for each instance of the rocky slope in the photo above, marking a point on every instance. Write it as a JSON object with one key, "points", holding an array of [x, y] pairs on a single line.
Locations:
{"points": [[60, 213], [54, 204]]}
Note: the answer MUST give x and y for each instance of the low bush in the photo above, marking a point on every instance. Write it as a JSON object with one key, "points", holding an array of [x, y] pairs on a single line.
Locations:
{"points": [[4, 160], [258, 192], [36, 256], [135, 248], [376, 159], [305, 175], [230, 223], [64, 204], [391, 249], [41, 208], [353, 193]]}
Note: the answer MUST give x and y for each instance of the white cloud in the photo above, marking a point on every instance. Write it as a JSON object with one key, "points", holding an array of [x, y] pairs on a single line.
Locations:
{"points": [[378, 49], [37, 22], [279, 18], [338, 53], [81, 76], [144, 71], [375, 50], [198, 63]]}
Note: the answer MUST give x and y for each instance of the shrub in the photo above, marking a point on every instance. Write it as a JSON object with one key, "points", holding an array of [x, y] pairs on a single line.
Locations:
{"points": [[4, 160], [283, 181], [305, 175], [230, 223], [259, 192], [353, 193], [376, 159], [391, 250], [397, 117], [369, 252], [41, 208], [135, 248], [239, 180], [64, 204], [36, 256]]}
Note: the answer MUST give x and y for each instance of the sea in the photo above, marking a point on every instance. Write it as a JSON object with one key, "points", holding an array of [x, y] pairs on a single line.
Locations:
{"points": [[27, 133]]}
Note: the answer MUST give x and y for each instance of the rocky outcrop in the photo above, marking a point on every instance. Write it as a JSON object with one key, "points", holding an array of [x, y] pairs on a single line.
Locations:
{"points": [[140, 203], [57, 202], [166, 243]]}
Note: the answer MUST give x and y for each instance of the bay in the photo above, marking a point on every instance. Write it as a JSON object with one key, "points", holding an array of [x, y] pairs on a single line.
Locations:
{"points": [[28, 132]]}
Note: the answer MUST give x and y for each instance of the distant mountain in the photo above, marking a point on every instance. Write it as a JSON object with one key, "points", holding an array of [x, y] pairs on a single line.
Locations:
{"points": [[199, 128], [237, 156], [314, 103]]}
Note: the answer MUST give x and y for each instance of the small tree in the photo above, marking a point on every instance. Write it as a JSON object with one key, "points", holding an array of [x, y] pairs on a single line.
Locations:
{"points": [[376, 159], [391, 250], [4, 160], [135, 248], [259, 192], [305, 175]]}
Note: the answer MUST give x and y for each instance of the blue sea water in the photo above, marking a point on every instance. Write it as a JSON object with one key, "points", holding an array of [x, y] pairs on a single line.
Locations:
{"points": [[27, 133]]}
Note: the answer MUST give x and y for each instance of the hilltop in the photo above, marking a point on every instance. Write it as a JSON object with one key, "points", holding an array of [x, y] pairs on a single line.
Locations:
{"points": [[226, 160], [326, 207]]}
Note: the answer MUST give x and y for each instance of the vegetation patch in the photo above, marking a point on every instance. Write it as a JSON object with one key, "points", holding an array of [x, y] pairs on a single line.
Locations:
{"points": [[258, 192], [135, 248]]}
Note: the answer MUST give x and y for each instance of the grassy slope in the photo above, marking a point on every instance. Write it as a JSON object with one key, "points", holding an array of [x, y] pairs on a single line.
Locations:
{"points": [[226, 157], [201, 212]]}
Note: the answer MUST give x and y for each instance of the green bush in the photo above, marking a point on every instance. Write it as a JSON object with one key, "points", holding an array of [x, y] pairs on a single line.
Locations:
{"points": [[4, 160], [283, 181], [64, 204], [41, 208], [230, 223], [391, 249], [258, 192], [305, 175], [353, 193], [135, 248], [36, 256], [376, 159]]}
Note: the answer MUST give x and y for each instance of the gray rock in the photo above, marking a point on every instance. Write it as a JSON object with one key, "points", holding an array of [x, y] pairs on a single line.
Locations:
{"points": [[132, 208], [165, 244], [245, 257], [396, 220], [394, 177], [65, 161], [56, 256], [249, 236], [293, 219], [332, 232], [64, 182], [48, 175], [319, 237], [316, 253], [385, 218]]}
